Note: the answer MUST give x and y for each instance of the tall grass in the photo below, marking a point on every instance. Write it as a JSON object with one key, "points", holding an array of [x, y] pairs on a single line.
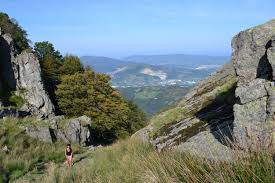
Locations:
{"points": [[25, 154], [134, 161], [128, 161]]}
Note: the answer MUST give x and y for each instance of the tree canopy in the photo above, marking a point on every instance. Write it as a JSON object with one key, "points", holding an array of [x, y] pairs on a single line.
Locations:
{"points": [[19, 35], [91, 94], [71, 64]]}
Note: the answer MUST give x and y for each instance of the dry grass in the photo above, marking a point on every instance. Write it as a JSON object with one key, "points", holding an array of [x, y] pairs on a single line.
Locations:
{"points": [[128, 161], [134, 161]]}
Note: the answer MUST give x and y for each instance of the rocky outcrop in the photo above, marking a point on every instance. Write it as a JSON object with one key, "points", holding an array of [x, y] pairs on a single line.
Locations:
{"points": [[77, 130], [40, 133], [232, 109], [28, 78], [207, 118], [254, 62], [21, 73]]}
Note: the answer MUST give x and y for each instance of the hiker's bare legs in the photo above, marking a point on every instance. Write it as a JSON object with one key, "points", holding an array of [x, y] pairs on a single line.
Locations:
{"points": [[70, 160]]}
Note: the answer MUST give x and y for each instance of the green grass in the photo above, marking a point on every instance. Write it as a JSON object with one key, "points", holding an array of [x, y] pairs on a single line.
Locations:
{"points": [[183, 110], [133, 161], [26, 154], [126, 161]]}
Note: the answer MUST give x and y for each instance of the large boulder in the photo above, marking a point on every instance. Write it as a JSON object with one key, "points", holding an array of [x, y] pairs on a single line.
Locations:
{"points": [[40, 133], [254, 61], [28, 79], [78, 130]]}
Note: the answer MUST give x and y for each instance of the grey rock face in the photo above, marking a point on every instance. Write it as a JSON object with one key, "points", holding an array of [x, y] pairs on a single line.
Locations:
{"points": [[254, 62], [205, 145], [28, 77], [271, 58], [40, 133], [78, 130], [22, 73], [250, 52], [251, 91], [143, 134]]}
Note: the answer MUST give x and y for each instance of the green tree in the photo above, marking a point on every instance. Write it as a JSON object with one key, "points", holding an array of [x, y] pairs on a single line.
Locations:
{"points": [[50, 61], [91, 94], [46, 49], [18, 34], [71, 65], [137, 117]]}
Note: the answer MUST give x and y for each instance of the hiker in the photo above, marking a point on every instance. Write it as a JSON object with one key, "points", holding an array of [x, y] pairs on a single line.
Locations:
{"points": [[69, 155]]}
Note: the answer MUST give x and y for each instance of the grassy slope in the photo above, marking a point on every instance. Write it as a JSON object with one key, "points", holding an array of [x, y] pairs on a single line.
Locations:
{"points": [[126, 161], [26, 154], [135, 161]]}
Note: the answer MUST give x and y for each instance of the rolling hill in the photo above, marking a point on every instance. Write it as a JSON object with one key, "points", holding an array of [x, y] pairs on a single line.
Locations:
{"points": [[139, 71]]}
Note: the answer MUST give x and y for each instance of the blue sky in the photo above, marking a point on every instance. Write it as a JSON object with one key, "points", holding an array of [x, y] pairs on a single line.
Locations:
{"points": [[118, 28]]}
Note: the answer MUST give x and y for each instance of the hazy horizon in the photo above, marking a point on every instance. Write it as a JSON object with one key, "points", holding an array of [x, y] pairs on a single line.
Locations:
{"points": [[121, 28]]}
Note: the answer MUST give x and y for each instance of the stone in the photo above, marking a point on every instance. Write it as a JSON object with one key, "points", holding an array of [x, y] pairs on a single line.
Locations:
{"points": [[40, 133], [253, 59], [59, 135], [271, 59], [205, 145], [249, 52], [5, 149], [143, 134], [251, 91], [28, 77], [78, 130], [54, 121]]}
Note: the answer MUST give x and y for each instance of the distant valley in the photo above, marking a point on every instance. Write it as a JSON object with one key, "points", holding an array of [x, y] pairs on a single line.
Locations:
{"points": [[154, 82], [152, 99], [156, 70]]}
